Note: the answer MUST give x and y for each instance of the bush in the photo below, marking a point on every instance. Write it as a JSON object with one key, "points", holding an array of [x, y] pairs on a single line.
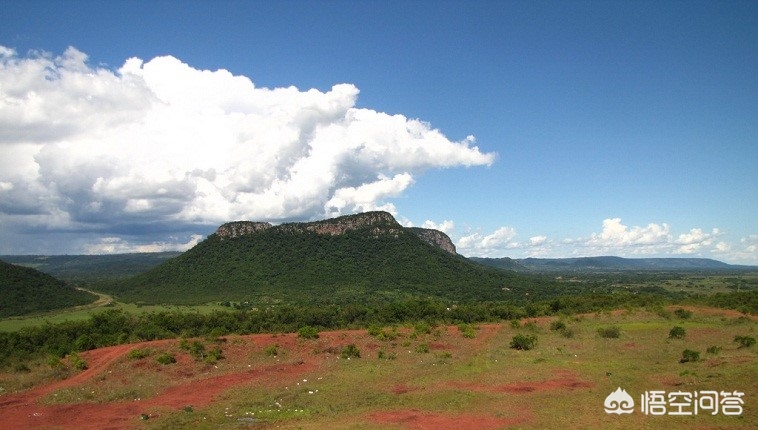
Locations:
{"points": [[422, 348], [165, 358], [677, 333], [308, 332], [350, 351], [524, 342], [713, 349], [138, 353], [271, 350], [557, 325], [689, 355], [683, 313], [214, 355], [612, 332], [745, 341], [77, 362], [467, 330]]}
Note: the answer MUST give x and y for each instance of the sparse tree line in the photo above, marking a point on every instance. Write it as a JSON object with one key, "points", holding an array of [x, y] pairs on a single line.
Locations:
{"points": [[113, 327]]}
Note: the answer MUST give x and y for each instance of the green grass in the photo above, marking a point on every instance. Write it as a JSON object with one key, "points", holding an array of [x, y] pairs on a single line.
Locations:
{"points": [[569, 379], [17, 323]]}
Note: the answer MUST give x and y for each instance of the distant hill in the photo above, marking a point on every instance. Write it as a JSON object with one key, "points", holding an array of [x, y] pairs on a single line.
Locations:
{"points": [[365, 257], [605, 263], [24, 290], [78, 268]]}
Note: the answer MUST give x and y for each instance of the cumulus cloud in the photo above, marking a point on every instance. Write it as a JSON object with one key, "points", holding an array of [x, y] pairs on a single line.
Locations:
{"points": [[614, 238], [163, 143], [117, 245]]}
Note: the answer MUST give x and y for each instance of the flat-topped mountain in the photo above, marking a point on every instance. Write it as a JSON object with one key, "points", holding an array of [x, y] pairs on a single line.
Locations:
{"points": [[375, 223], [368, 256]]}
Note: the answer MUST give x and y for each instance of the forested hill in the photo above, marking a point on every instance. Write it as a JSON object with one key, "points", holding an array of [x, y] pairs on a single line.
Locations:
{"points": [[24, 290], [365, 257]]}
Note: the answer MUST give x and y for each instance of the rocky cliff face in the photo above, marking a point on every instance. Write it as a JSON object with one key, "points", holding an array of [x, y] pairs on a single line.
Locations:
{"points": [[377, 223], [435, 238], [234, 229]]}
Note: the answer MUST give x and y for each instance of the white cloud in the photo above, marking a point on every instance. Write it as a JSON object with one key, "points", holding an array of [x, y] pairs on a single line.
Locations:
{"points": [[617, 235], [615, 238], [162, 142], [118, 245], [695, 240], [445, 226]]}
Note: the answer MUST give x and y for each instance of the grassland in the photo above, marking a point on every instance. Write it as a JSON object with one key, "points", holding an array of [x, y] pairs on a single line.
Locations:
{"points": [[411, 377]]}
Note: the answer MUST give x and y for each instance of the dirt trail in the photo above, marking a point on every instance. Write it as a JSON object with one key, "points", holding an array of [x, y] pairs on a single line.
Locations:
{"points": [[24, 410]]}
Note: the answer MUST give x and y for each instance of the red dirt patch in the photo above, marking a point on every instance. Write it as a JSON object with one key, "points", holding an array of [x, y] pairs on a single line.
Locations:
{"points": [[415, 419]]}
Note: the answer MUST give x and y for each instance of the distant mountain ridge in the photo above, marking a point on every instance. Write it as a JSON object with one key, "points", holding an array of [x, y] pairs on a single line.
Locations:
{"points": [[605, 263]]}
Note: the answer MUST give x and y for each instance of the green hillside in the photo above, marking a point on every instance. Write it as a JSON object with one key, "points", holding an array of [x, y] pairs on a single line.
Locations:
{"points": [[24, 290], [359, 258]]}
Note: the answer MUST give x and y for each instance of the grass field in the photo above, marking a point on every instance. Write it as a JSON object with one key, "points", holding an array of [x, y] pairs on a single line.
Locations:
{"points": [[418, 377], [84, 312]]}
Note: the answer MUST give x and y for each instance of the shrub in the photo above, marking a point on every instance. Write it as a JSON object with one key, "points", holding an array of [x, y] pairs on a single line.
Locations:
{"points": [[467, 330], [422, 328], [745, 341], [165, 358], [138, 353], [350, 351], [422, 348], [271, 350], [196, 349], [214, 355], [77, 362], [524, 342], [689, 355], [677, 333], [612, 332], [683, 313], [567, 333], [713, 349], [308, 332], [557, 325]]}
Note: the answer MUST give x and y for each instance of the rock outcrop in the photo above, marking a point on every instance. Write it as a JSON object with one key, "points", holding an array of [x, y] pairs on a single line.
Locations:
{"points": [[377, 223], [435, 238], [234, 229]]}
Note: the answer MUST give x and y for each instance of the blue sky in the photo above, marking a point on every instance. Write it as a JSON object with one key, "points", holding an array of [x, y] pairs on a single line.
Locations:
{"points": [[599, 128]]}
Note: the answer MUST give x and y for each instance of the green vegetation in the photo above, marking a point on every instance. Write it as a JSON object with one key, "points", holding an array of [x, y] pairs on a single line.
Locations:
{"points": [[689, 355], [165, 358], [523, 342], [677, 333], [287, 265], [308, 332], [745, 341], [24, 291], [612, 332], [350, 351]]}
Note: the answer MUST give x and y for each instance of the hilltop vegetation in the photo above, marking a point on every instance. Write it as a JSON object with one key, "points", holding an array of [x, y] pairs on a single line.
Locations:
{"points": [[371, 261], [24, 290]]}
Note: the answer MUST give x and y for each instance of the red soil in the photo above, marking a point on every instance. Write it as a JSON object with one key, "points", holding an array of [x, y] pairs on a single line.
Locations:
{"points": [[24, 410]]}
